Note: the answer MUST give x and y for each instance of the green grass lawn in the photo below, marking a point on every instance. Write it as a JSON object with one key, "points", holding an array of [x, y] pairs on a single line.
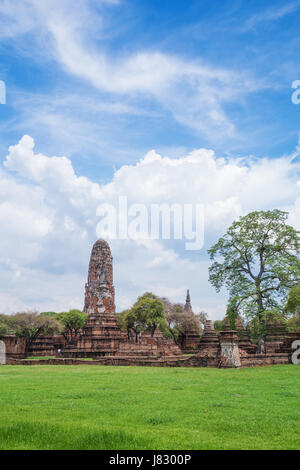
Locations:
{"points": [[101, 407]]}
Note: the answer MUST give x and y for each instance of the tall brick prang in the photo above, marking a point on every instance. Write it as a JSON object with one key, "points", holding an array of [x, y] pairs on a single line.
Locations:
{"points": [[99, 290], [101, 334]]}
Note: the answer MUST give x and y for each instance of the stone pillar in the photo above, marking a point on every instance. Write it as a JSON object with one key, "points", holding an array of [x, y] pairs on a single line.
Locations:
{"points": [[14, 346], [2, 353], [230, 354]]}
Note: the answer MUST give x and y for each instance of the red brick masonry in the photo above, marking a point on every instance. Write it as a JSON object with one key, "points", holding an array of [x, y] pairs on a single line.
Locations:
{"points": [[102, 340]]}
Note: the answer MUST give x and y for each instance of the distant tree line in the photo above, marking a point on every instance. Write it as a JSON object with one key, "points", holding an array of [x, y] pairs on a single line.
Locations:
{"points": [[32, 325], [151, 312]]}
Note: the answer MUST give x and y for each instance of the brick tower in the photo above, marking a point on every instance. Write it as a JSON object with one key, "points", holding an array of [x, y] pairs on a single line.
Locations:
{"points": [[191, 340], [209, 341], [101, 334], [188, 306], [99, 300]]}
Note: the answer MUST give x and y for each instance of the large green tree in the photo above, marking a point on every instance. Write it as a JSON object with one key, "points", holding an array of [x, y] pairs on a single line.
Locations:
{"points": [[147, 313], [293, 308], [72, 321], [179, 321], [3, 328], [293, 302], [257, 260], [31, 325], [5, 324]]}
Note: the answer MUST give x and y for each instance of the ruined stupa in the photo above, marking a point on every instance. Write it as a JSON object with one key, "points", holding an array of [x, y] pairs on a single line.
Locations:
{"points": [[101, 336], [99, 300], [188, 305], [244, 340], [191, 339], [276, 334], [209, 341]]}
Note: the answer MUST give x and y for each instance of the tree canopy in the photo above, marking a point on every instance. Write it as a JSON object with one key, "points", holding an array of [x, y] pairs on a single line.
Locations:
{"points": [[72, 321], [257, 260], [5, 324], [181, 322], [293, 302], [30, 325], [146, 313], [293, 308]]}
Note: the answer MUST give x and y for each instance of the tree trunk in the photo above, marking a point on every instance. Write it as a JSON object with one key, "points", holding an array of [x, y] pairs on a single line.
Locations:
{"points": [[173, 336], [28, 343], [260, 305]]}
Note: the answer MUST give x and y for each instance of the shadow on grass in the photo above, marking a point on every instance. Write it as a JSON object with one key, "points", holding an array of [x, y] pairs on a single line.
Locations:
{"points": [[44, 436], [159, 419]]}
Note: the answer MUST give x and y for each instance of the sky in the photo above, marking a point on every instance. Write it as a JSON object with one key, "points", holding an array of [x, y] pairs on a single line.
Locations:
{"points": [[158, 101]]}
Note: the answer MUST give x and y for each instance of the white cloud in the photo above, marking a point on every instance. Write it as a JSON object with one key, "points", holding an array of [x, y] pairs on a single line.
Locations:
{"points": [[48, 223], [195, 92], [19, 218], [23, 21], [271, 14], [55, 174]]}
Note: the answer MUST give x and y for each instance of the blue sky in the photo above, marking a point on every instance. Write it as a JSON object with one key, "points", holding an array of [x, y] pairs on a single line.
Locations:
{"points": [[103, 82], [257, 41]]}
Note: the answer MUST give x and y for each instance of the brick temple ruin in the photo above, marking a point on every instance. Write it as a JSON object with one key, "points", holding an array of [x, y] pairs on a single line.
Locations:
{"points": [[101, 335], [189, 343], [102, 340]]}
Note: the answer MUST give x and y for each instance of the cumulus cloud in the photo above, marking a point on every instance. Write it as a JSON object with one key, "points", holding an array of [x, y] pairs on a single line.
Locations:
{"points": [[51, 172], [48, 222], [227, 187]]}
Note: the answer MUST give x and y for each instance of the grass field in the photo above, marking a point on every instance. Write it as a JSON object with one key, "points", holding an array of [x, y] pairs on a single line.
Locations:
{"points": [[100, 407]]}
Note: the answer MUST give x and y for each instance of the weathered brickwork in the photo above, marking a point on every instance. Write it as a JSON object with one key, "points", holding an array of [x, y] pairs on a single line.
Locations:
{"points": [[14, 346], [229, 342], [99, 290], [102, 340], [244, 341], [101, 336], [42, 346], [209, 341], [275, 337], [190, 341]]}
